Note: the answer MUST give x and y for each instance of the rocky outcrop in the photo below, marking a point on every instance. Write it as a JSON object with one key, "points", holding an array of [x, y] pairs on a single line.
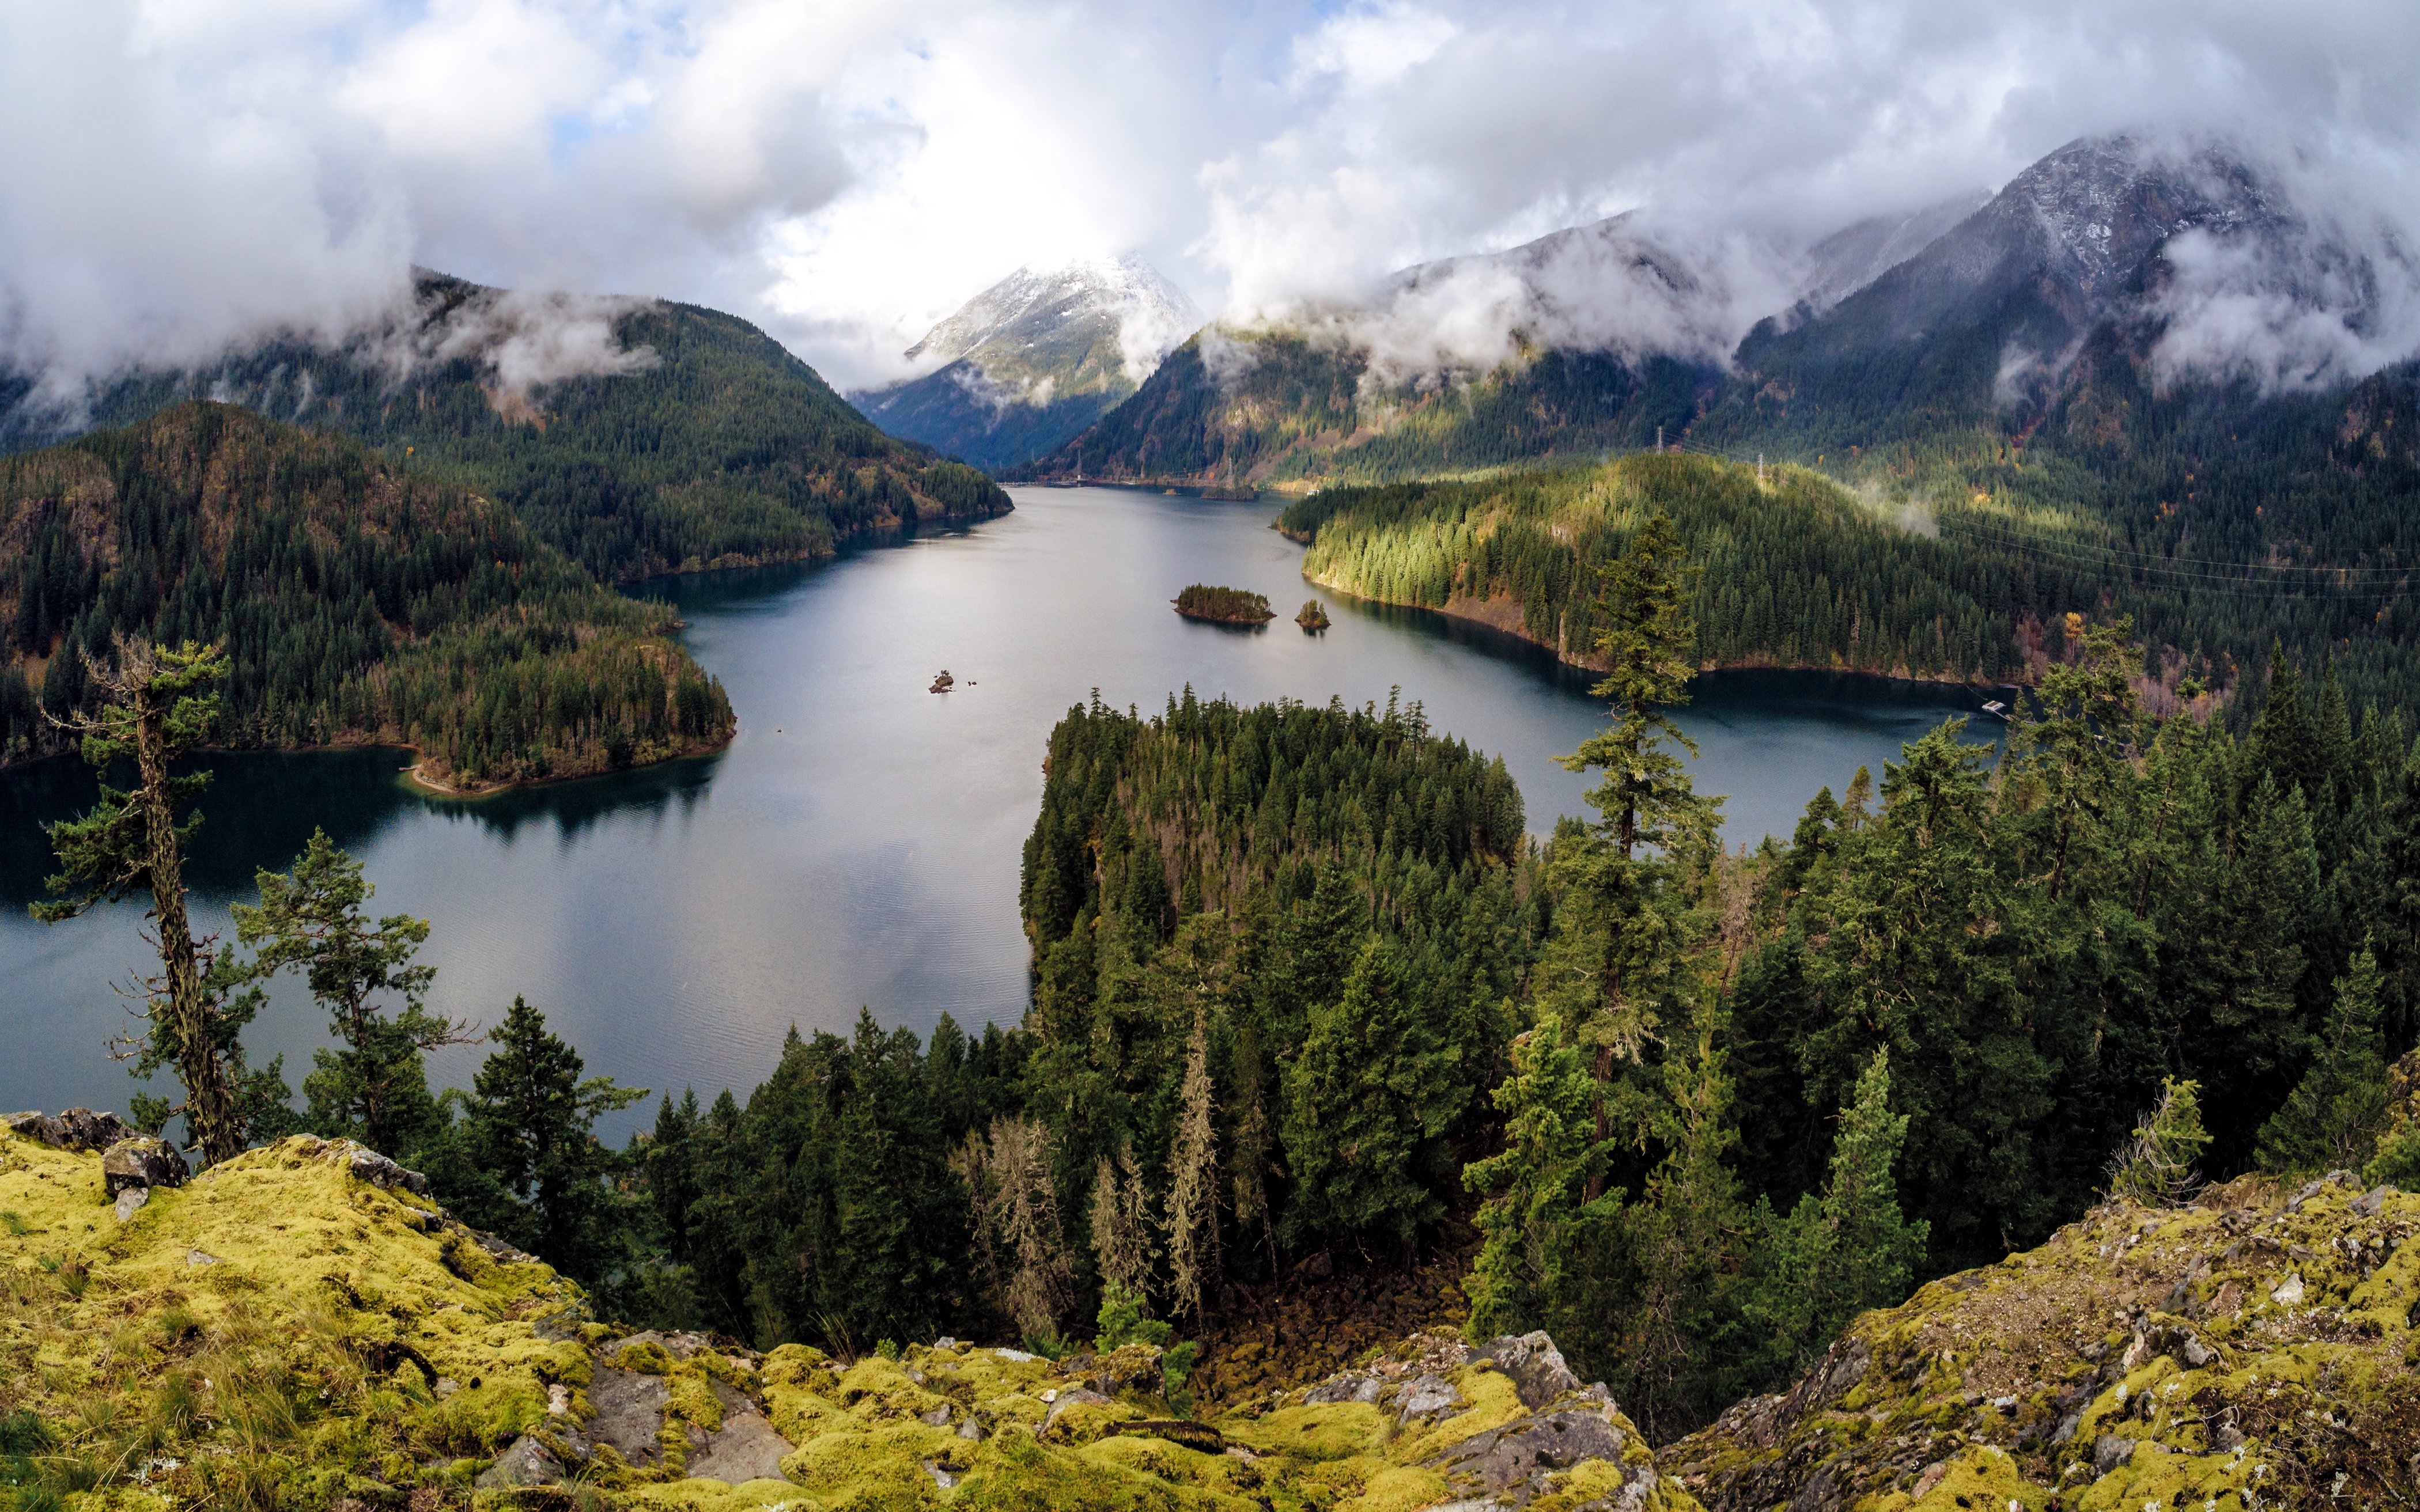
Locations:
{"points": [[2259, 1344], [142, 1162], [75, 1129]]}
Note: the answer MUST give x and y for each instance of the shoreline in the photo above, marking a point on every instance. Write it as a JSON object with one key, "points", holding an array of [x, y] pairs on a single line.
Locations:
{"points": [[413, 776], [1503, 615]]}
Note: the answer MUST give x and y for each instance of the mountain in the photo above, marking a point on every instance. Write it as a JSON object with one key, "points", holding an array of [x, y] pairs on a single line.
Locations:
{"points": [[357, 600], [637, 437], [1855, 255], [1987, 323], [1035, 358], [1587, 339], [2153, 377]]}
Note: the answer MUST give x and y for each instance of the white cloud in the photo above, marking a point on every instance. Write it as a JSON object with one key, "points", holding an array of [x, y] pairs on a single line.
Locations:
{"points": [[189, 173]]}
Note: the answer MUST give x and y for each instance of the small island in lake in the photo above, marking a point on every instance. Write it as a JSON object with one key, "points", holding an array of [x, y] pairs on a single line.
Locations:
{"points": [[1313, 617], [1229, 606]]}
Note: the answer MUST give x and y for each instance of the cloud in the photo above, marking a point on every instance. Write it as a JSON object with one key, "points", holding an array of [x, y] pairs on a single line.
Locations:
{"points": [[528, 338], [2326, 292], [190, 173]]}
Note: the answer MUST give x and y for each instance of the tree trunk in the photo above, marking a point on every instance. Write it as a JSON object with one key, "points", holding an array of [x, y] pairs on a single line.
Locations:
{"points": [[209, 1101]]}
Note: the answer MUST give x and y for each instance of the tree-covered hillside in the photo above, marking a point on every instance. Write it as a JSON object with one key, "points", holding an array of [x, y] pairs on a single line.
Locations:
{"points": [[707, 445], [1792, 571], [1892, 577], [358, 600], [1273, 406]]}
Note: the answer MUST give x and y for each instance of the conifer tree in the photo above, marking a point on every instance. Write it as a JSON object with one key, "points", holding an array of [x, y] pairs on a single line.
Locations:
{"points": [[2336, 1111], [1191, 1219], [1651, 1316], [1838, 1254], [1121, 1247], [375, 1088], [893, 1240], [1532, 1187], [2155, 1167], [1017, 1218], [668, 1166], [530, 1125], [1649, 641], [1365, 1093], [1620, 929], [155, 704]]}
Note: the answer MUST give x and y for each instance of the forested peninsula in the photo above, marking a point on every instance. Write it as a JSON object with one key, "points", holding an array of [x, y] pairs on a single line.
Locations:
{"points": [[358, 601], [1791, 568]]}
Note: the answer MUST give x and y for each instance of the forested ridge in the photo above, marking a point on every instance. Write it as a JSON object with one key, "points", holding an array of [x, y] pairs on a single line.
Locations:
{"points": [[1795, 569], [358, 601], [1275, 406], [710, 446], [1791, 571]]}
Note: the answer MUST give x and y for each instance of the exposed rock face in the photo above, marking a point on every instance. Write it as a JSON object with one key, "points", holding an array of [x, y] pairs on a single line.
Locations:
{"points": [[626, 1411], [1534, 1363], [744, 1448], [524, 1462], [1512, 1465], [2258, 1343], [75, 1129], [142, 1162]]}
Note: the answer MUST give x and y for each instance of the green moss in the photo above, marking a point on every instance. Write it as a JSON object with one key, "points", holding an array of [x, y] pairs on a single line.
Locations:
{"points": [[1399, 1489], [1329, 1430]]}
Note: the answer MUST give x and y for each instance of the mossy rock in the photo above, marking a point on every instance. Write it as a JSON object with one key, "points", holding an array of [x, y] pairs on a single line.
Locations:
{"points": [[2258, 1341]]}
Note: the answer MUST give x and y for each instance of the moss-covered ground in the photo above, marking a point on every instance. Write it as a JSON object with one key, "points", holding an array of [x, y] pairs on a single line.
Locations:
{"points": [[2253, 1350], [282, 1332]]}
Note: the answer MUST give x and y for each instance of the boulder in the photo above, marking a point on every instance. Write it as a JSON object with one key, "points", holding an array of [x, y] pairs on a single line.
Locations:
{"points": [[379, 1171], [1075, 1396], [1430, 1397], [744, 1448], [132, 1199], [524, 1462], [1341, 1388], [143, 1162], [626, 1411], [75, 1129], [1510, 1465], [1536, 1366], [2109, 1452]]}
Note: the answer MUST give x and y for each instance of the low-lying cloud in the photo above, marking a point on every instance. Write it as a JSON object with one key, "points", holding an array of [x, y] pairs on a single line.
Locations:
{"points": [[190, 176]]}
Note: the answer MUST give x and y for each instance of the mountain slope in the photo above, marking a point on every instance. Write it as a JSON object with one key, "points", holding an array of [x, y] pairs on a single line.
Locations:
{"points": [[357, 601], [1035, 358], [635, 437], [1585, 339]]}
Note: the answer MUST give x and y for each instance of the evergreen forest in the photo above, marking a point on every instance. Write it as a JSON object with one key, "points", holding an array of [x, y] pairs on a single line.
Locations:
{"points": [[1793, 568], [358, 600]]}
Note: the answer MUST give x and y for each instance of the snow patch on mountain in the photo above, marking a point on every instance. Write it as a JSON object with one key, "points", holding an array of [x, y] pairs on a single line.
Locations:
{"points": [[1034, 308]]}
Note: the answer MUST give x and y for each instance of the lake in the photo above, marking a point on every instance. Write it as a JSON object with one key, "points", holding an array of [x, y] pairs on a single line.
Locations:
{"points": [[858, 842]]}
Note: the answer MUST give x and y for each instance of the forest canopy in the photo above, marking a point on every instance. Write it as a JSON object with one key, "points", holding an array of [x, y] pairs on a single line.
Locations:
{"points": [[358, 601]]}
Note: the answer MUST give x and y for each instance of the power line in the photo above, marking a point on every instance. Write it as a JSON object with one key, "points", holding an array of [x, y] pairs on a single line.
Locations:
{"points": [[2183, 578]]}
